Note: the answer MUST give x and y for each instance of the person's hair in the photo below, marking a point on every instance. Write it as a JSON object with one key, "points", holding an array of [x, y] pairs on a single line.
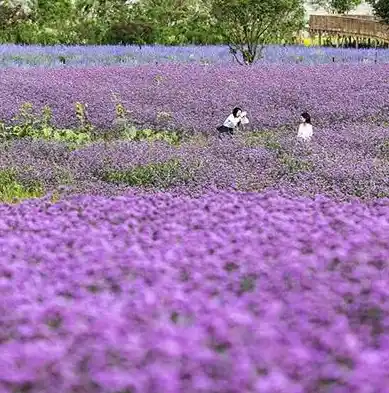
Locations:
{"points": [[307, 117], [236, 110]]}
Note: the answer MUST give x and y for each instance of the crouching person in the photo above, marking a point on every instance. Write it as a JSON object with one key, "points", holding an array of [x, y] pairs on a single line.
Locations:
{"points": [[235, 120]]}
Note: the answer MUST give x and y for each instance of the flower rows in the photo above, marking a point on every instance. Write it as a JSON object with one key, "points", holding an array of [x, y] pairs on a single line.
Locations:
{"points": [[228, 293], [343, 162], [87, 56], [198, 98]]}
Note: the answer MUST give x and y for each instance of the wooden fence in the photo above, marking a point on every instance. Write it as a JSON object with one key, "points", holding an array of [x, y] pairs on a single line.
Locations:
{"points": [[359, 28]]}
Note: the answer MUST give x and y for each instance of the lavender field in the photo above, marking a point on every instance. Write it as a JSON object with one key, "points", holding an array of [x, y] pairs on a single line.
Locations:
{"points": [[142, 254], [131, 55], [198, 97]]}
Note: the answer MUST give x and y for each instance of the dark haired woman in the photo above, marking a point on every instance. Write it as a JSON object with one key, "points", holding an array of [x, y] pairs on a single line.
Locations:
{"points": [[305, 131], [235, 119]]}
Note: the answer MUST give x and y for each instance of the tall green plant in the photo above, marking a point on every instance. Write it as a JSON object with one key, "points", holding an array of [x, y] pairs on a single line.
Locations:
{"points": [[32, 124]]}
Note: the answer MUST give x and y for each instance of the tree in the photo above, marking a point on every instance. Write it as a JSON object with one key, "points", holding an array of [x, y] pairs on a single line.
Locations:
{"points": [[130, 32], [96, 17], [102, 10], [337, 6], [51, 22], [11, 14], [381, 9], [45, 11], [174, 21], [248, 25]]}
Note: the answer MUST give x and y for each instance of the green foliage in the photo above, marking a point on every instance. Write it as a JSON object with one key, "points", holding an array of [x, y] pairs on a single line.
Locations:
{"points": [[69, 136], [130, 32], [290, 164], [177, 21], [381, 9], [64, 22], [384, 150], [11, 18], [102, 21], [163, 175], [337, 6], [109, 22], [12, 191], [293, 165], [133, 134], [169, 22], [248, 25], [247, 284], [266, 139], [82, 116], [130, 132], [30, 124]]}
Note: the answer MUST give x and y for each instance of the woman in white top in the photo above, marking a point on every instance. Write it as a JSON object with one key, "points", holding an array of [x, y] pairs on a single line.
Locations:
{"points": [[236, 118], [305, 131]]}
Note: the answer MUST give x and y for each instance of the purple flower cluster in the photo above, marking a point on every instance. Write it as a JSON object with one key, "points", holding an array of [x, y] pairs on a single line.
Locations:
{"points": [[199, 97], [231, 292], [89, 56]]}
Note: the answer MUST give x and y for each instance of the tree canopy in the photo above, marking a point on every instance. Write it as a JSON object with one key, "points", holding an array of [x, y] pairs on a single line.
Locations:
{"points": [[337, 6], [381, 9], [248, 25]]}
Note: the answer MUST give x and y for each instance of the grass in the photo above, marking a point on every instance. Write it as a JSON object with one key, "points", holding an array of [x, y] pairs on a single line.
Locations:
{"points": [[11, 191], [266, 139], [164, 174], [384, 150], [269, 140], [172, 137], [295, 165]]}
